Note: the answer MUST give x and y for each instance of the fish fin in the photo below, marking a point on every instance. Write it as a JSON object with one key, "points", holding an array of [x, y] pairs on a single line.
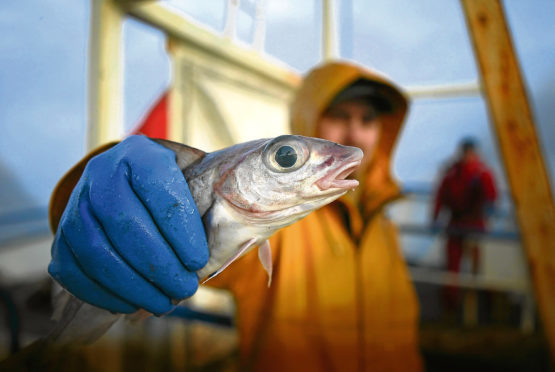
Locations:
{"points": [[265, 257], [185, 155], [239, 253]]}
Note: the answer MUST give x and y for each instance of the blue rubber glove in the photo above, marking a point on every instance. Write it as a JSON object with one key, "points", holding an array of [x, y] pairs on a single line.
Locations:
{"points": [[131, 236]]}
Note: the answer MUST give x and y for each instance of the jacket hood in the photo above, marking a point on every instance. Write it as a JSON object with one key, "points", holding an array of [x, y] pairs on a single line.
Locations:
{"points": [[318, 90]]}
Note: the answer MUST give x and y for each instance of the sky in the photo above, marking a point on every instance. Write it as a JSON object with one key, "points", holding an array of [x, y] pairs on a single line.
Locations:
{"points": [[43, 76]]}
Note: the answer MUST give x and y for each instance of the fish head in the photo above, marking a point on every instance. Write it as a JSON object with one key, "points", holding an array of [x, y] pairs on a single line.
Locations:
{"points": [[281, 180]]}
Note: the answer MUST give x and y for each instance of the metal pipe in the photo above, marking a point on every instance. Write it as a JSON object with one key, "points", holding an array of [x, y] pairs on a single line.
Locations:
{"points": [[329, 31], [230, 28], [105, 99], [467, 89]]}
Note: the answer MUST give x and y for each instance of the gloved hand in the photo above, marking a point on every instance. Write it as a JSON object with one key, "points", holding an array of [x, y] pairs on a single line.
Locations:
{"points": [[130, 236]]}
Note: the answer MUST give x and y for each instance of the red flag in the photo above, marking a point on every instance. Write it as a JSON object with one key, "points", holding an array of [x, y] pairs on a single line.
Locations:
{"points": [[156, 123]]}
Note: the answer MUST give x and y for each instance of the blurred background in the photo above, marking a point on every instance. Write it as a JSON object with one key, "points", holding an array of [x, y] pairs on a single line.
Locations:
{"points": [[424, 46]]}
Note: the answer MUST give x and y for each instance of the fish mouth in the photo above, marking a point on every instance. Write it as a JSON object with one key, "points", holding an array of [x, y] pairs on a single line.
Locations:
{"points": [[337, 178]]}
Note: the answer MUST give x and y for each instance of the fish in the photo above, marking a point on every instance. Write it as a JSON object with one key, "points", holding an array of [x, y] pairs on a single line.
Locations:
{"points": [[244, 193]]}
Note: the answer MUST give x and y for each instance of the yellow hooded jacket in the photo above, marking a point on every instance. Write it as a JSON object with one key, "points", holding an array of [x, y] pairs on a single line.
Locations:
{"points": [[341, 298]]}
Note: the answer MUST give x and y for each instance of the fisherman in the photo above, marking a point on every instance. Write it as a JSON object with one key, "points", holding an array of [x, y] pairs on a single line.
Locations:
{"points": [[341, 297], [467, 193]]}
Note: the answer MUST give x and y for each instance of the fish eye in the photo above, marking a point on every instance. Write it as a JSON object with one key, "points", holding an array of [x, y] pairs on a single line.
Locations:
{"points": [[286, 156]]}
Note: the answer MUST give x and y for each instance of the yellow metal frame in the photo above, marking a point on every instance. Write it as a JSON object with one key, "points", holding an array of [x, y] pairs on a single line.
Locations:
{"points": [[187, 41], [190, 41]]}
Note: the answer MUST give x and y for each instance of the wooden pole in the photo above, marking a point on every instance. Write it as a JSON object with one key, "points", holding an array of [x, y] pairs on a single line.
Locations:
{"points": [[513, 124]]}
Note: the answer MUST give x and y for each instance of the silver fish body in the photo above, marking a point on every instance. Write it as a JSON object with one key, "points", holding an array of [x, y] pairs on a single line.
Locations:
{"points": [[244, 193]]}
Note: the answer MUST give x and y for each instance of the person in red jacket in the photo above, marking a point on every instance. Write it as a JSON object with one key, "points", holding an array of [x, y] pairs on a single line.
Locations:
{"points": [[467, 192]]}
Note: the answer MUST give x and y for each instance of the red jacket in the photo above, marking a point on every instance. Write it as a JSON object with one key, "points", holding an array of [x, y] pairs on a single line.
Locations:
{"points": [[466, 190]]}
